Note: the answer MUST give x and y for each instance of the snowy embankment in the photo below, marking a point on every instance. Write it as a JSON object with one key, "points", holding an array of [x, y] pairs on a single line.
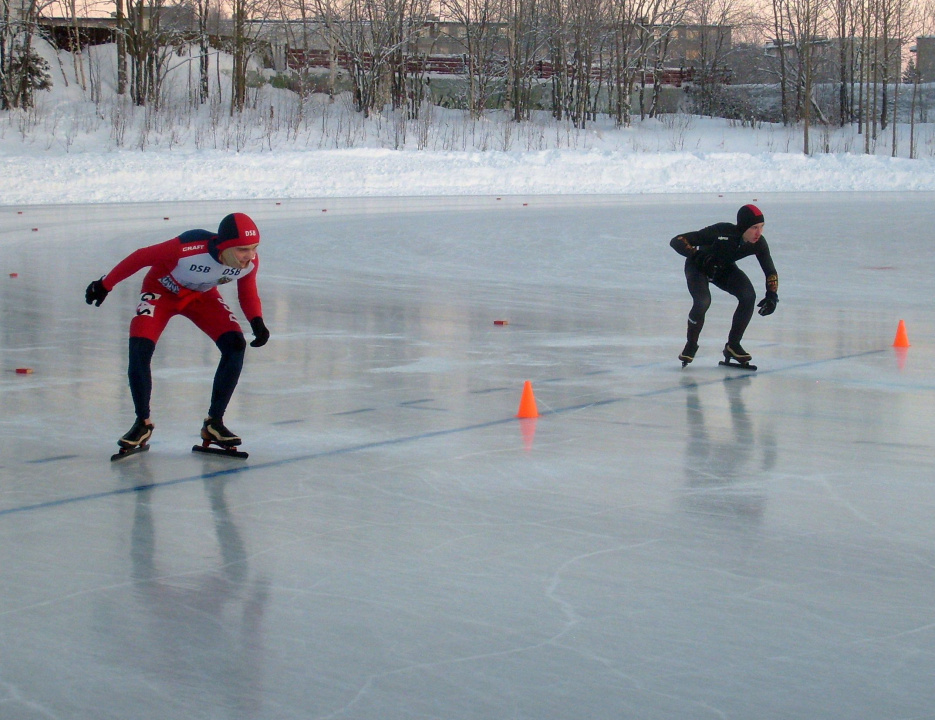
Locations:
{"points": [[135, 176]]}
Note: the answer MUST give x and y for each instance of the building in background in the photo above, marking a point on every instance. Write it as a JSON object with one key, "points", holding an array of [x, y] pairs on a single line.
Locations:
{"points": [[925, 58]]}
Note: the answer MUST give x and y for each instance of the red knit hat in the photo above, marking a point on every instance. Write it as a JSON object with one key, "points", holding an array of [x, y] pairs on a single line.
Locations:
{"points": [[748, 216], [235, 230]]}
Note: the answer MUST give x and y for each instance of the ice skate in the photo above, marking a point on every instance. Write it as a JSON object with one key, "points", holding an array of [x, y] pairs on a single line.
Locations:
{"points": [[214, 433], [136, 440], [735, 352], [688, 353], [736, 356]]}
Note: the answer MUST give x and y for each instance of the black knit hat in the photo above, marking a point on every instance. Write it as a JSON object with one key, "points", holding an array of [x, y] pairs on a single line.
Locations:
{"points": [[748, 216]]}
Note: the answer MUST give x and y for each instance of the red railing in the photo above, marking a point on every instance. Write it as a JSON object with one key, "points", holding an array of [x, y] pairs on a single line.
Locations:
{"points": [[457, 65]]}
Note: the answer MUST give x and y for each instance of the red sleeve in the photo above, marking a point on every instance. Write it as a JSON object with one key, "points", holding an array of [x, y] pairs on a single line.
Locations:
{"points": [[248, 295], [144, 257]]}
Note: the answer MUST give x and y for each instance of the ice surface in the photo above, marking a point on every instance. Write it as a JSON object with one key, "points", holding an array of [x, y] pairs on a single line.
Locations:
{"points": [[659, 543]]}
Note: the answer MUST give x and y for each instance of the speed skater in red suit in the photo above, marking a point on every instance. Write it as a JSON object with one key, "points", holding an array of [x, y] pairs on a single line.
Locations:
{"points": [[183, 279]]}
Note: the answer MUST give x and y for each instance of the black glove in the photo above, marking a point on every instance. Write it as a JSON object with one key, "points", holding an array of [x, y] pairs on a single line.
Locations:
{"points": [[768, 304], [96, 293], [707, 262], [260, 333]]}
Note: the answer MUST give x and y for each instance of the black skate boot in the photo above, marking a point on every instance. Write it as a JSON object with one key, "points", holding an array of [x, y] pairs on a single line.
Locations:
{"points": [[214, 432], [736, 356], [135, 441], [688, 352], [137, 435], [735, 352]]}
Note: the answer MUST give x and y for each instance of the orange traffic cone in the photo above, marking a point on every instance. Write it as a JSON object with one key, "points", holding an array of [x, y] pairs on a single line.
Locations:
{"points": [[902, 339], [527, 403]]}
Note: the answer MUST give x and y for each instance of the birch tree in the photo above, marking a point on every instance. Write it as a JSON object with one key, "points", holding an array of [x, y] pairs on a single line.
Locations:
{"points": [[375, 35], [479, 33], [626, 16], [205, 12], [574, 35], [844, 18], [247, 18], [923, 20], [662, 19], [715, 18], [524, 42]]}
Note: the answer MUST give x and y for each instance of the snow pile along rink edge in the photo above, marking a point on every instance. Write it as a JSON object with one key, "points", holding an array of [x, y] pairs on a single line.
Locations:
{"points": [[136, 176]]}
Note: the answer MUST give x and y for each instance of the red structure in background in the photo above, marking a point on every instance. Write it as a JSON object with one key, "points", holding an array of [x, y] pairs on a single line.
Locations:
{"points": [[298, 59]]}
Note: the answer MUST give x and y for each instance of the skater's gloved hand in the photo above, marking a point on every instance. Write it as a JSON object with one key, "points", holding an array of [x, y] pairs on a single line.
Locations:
{"points": [[96, 293], [706, 261], [260, 333], [768, 304]]}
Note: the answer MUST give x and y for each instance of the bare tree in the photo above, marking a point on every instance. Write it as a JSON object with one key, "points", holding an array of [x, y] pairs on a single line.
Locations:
{"points": [[71, 9], [479, 34], [303, 34], [808, 17], [206, 14], [410, 23], [574, 34], [247, 18], [888, 18], [659, 27], [555, 28], [923, 23], [798, 25], [715, 19], [376, 36], [524, 39], [144, 48], [869, 70], [905, 22], [120, 21], [845, 23], [627, 43]]}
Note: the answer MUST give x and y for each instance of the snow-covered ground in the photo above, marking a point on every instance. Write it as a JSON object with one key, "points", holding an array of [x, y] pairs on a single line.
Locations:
{"points": [[71, 149]]}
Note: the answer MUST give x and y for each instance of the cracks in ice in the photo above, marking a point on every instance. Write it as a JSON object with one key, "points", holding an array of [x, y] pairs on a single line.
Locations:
{"points": [[571, 620]]}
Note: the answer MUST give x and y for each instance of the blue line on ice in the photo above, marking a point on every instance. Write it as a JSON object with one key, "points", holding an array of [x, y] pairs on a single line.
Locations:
{"points": [[395, 441]]}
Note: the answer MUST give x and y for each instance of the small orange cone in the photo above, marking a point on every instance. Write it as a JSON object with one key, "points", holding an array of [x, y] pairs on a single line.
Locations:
{"points": [[527, 403], [902, 339]]}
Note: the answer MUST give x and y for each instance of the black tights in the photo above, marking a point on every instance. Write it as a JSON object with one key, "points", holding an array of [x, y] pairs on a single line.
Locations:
{"points": [[232, 346], [735, 282]]}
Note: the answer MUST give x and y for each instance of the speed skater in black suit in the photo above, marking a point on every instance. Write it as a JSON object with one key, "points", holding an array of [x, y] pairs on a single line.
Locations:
{"points": [[711, 256]]}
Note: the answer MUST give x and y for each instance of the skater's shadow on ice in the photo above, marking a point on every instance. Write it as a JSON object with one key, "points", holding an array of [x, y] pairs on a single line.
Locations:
{"points": [[721, 476], [200, 609]]}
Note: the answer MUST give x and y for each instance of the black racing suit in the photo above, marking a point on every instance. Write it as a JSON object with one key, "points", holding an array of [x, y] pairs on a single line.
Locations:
{"points": [[711, 255]]}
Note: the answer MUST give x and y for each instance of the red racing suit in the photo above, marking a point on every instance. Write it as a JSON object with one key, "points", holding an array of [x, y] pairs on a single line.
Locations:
{"points": [[183, 279]]}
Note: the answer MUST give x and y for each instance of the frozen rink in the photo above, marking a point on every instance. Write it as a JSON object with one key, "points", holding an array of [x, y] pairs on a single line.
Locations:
{"points": [[659, 544]]}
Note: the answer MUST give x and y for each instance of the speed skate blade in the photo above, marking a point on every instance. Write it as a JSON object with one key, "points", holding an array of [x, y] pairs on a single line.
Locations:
{"points": [[127, 452], [738, 365], [221, 451]]}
